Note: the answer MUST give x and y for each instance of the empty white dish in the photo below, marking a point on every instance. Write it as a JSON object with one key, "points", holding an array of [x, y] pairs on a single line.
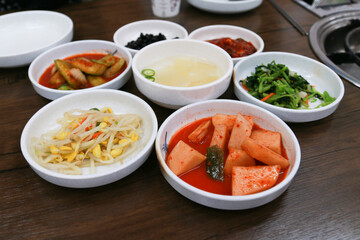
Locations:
{"points": [[25, 35], [225, 6]]}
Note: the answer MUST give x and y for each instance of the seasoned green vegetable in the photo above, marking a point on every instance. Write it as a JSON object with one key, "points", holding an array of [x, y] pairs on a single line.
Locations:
{"points": [[65, 86], [276, 84], [108, 60], [64, 68], [215, 163], [114, 68], [57, 80], [96, 80], [88, 66]]}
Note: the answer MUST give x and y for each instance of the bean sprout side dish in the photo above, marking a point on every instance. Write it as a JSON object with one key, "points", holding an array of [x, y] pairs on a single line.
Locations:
{"points": [[88, 138]]}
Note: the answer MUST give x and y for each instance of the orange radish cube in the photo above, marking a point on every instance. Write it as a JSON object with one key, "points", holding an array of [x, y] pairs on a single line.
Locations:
{"points": [[224, 119], [269, 139], [250, 119], [264, 154], [237, 157], [184, 158], [220, 136], [242, 129], [200, 132], [229, 120], [249, 180]]}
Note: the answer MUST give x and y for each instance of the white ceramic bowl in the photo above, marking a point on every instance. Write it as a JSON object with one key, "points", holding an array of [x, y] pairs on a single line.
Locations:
{"points": [[25, 35], [42, 62], [262, 117], [176, 97], [221, 31], [225, 6], [132, 31], [316, 73], [121, 102]]}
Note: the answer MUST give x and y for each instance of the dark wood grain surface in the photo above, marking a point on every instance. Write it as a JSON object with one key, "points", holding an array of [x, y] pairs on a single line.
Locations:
{"points": [[323, 201]]}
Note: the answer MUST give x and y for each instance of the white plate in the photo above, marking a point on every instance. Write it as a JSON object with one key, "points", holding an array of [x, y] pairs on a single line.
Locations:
{"points": [[225, 6], [120, 102], [24, 35]]}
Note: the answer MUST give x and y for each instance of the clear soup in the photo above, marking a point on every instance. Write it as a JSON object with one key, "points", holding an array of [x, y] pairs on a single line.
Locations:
{"points": [[185, 71]]}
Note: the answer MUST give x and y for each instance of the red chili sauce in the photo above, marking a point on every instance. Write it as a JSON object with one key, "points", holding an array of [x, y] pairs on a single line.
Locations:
{"points": [[198, 177], [235, 47], [45, 77]]}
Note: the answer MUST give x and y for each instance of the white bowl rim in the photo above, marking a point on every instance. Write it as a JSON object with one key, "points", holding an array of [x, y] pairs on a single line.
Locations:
{"points": [[296, 111], [225, 7], [224, 76], [31, 12], [65, 45], [38, 167], [254, 34], [147, 21], [229, 2], [289, 177]]}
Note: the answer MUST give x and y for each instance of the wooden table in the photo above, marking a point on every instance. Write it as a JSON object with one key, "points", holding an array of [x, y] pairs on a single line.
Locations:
{"points": [[323, 201]]}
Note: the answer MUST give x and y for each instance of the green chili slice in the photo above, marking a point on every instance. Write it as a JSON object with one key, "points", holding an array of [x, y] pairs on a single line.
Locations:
{"points": [[151, 78], [148, 72]]}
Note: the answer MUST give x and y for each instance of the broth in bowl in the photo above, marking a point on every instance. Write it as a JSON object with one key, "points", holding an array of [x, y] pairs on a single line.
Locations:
{"points": [[183, 71]]}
